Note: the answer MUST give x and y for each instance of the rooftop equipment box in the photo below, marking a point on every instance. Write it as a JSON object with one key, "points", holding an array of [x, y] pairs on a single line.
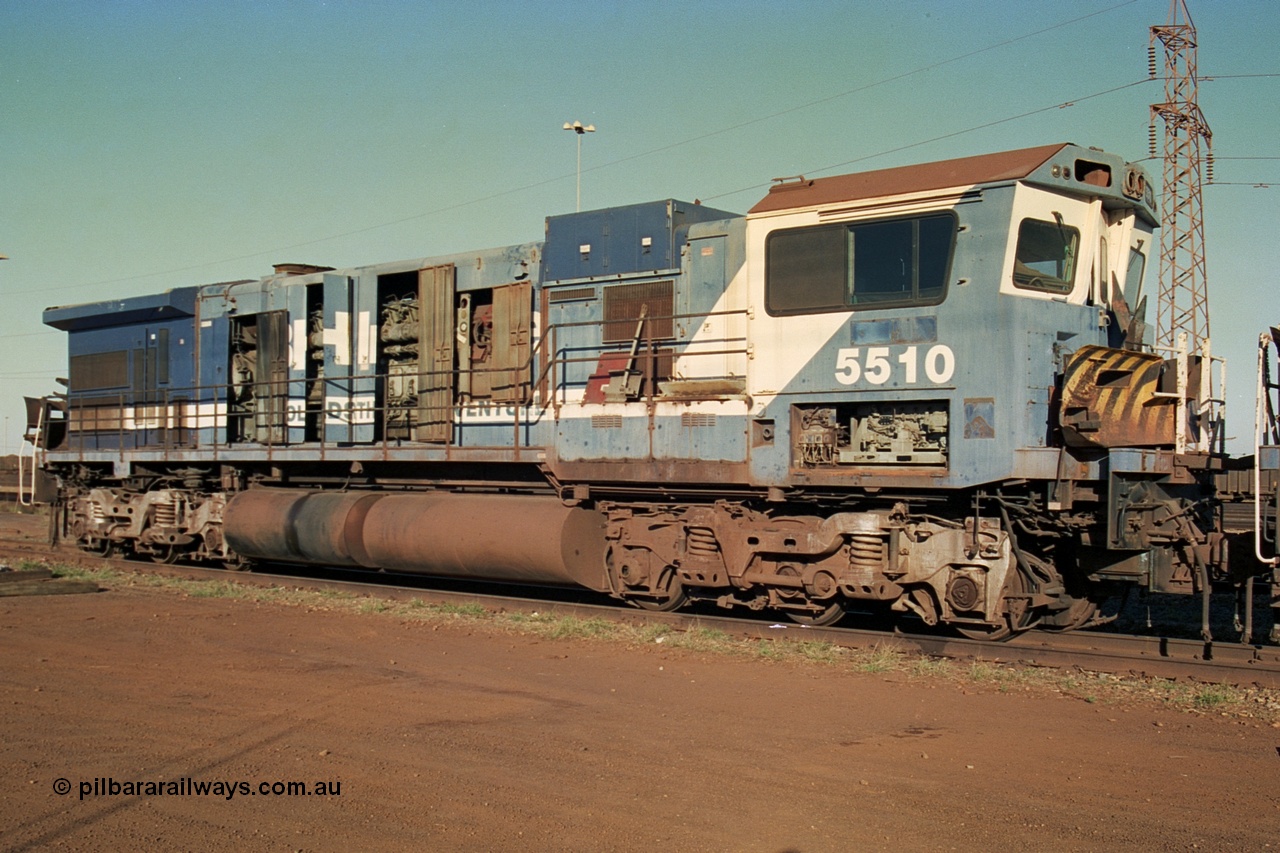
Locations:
{"points": [[621, 241]]}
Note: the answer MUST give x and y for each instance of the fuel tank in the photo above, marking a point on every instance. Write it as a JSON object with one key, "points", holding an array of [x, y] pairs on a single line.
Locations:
{"points": [[530, 539]]}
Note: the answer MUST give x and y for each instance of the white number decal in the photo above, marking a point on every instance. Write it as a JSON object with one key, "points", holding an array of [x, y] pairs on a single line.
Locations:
{"points": [[908, 362], [877, 369], [848, 371], [939, 364]]}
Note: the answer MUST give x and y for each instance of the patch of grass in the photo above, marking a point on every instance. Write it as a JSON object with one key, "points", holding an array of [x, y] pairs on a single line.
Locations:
{"points": [[209, 591], [707, 636], [648, 634], [469, 610], [573, 627], [931, 668], [704, 640], [1004, 676], [1212, 696], [768, 650], [879, 658], [78, 573], [819, 652], [982, 671]]}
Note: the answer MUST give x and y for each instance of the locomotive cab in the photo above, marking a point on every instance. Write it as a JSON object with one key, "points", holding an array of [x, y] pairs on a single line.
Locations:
{"points": [[925, 314]]}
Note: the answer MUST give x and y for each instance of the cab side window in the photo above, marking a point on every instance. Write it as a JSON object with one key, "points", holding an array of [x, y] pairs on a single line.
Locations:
{"points": [[881, 264], [1046, 256]]}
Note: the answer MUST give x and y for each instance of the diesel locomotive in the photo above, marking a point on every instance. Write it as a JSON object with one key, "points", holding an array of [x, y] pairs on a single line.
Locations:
{"points": [[923, 390]]}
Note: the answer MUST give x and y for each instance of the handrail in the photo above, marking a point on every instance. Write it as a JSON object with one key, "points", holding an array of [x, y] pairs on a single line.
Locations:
{"points": [[1210, 408], [203, 418], [35, 455], [1264, 423]]}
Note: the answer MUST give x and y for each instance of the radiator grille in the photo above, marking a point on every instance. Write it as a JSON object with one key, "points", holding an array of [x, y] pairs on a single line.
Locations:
{"points": [[622, 304], [100, 370]]}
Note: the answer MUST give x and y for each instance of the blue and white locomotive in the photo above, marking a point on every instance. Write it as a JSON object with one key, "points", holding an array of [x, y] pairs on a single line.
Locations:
{"points": [[922, 389]]}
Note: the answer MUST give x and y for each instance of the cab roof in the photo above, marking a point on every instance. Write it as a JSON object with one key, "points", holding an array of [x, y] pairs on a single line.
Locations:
{"points": [[960, 172]]}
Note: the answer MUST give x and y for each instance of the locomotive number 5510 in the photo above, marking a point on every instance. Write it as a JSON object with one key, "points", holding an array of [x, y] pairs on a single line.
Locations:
{"points": [[879, 366]]}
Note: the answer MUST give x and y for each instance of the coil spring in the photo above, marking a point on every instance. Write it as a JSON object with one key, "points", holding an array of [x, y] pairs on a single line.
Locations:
{"points": [[166, 514], [702, 542], [96, 512], [866, 557], [866, 552]]}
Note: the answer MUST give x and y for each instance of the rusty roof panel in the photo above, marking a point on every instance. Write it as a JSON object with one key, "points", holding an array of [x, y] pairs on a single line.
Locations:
{"points": [[964, 171]]}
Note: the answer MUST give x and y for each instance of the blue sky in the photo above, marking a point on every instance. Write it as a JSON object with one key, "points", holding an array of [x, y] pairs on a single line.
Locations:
{"points": [[148, 145]]}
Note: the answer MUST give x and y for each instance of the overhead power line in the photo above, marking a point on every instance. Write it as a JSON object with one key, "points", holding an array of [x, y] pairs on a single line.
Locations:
{"points": [[612, 163], [845, 163], [31, 334]]}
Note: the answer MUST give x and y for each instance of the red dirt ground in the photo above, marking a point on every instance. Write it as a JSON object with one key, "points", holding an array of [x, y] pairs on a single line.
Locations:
{"points": [[461, 737]]}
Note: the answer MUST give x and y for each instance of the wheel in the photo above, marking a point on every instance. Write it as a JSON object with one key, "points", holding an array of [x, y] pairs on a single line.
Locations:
{"points": [[667, 594], [237, 564], [833, 614], [1076, 616], [98, 547], [829, 615], [1017, 617], [166, 555], [985, 632]]}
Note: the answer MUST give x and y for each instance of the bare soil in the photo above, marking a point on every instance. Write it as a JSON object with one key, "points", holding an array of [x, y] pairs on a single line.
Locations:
{"points": [[461, 737]]}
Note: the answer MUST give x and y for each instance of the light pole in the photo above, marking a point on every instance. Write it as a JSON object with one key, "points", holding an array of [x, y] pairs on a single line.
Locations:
{"points": [[578, 128]]}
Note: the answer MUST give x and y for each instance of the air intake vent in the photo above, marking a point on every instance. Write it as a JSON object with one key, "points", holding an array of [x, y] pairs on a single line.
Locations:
{"points": [[571, 294], [622, 304]]}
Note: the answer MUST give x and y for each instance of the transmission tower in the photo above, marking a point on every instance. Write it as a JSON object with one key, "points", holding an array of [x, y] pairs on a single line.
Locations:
{"points": [[1184, 297]]}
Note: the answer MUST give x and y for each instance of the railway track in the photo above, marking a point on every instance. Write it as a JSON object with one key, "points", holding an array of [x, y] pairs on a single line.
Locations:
{"points": [[1245, 665]]}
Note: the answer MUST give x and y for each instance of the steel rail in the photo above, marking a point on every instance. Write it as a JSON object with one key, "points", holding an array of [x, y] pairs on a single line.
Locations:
{"points": [[1245, 665]]}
